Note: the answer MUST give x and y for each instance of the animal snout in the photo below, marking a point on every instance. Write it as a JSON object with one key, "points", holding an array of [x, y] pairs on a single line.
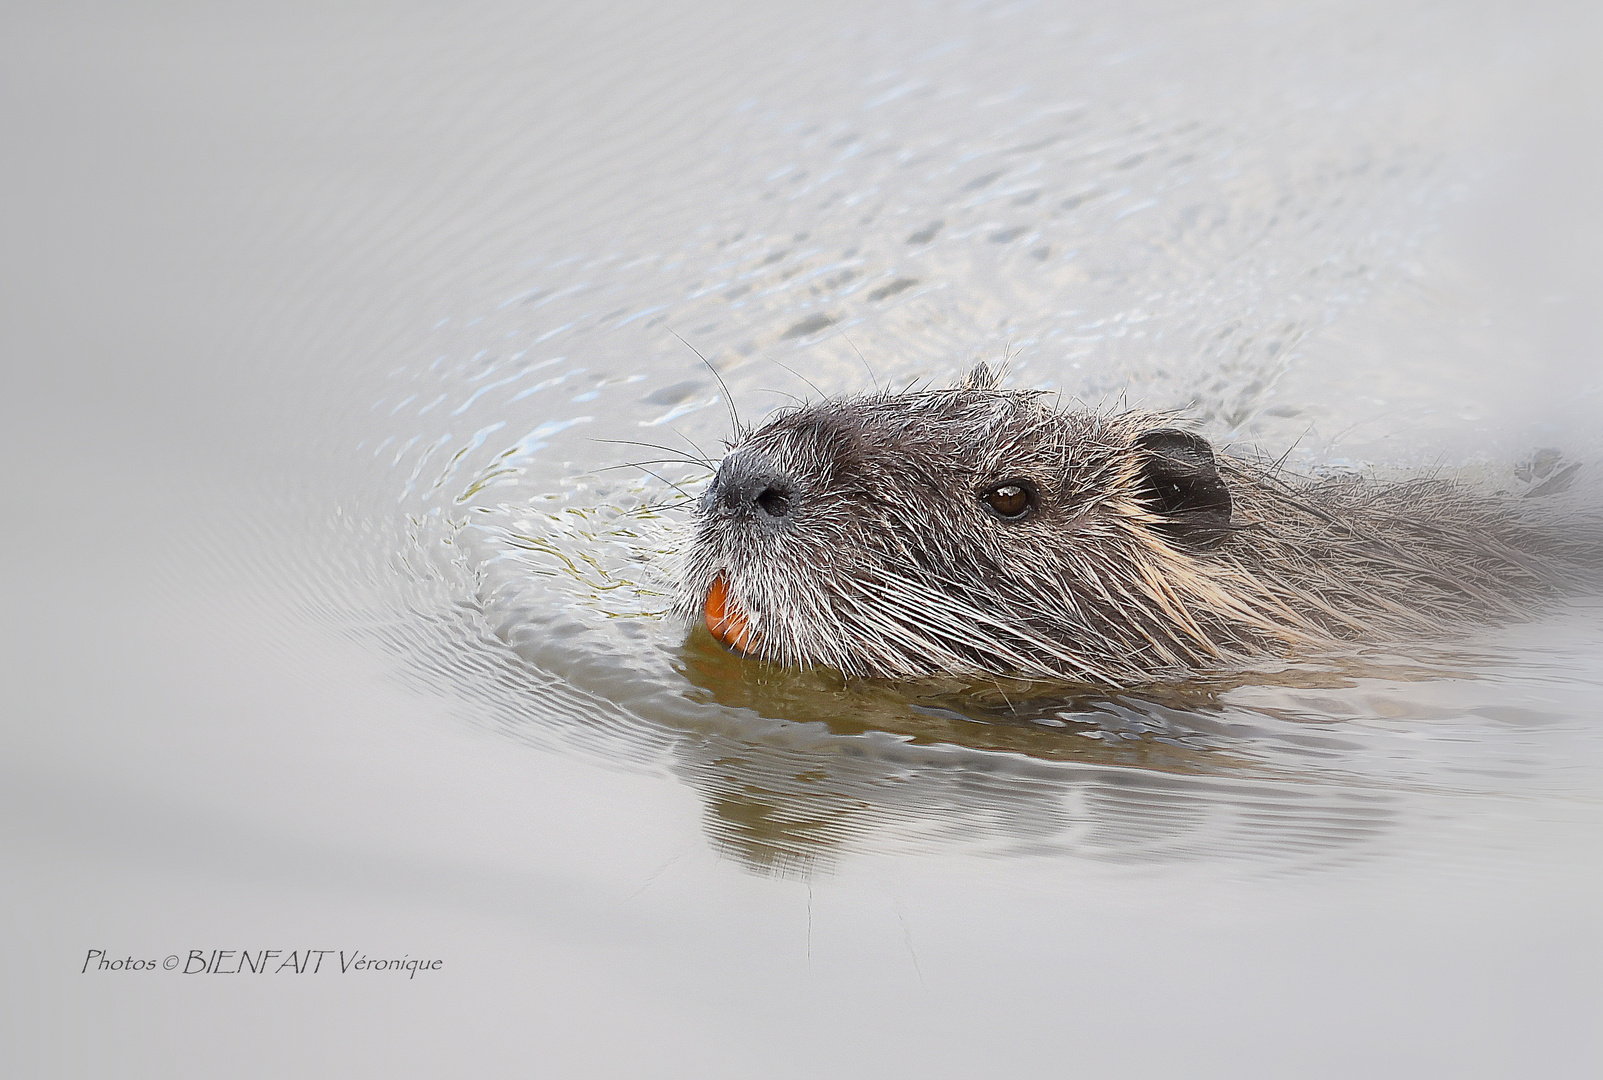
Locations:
{"points": [[748, 484]]}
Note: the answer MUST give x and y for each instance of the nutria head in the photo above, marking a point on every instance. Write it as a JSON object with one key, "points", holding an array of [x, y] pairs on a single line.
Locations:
{"points": [[971, 530]]}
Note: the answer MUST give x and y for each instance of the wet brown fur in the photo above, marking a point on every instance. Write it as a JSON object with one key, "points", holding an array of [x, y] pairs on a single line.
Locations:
{"points": [[1147, 556]]}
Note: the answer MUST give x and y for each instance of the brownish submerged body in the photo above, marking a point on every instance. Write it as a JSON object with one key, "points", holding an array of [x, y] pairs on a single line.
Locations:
{"points": [[980, 531]]}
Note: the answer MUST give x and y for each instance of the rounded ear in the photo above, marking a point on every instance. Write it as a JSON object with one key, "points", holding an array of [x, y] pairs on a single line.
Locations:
{"points": [[1183, 486]]}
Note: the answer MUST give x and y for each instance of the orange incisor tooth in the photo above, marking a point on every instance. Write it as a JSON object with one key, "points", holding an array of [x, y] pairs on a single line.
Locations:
{"points": [[725, 620]]}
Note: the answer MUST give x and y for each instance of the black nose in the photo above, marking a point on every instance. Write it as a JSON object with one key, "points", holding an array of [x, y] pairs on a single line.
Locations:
{"points": [[749, 484]]}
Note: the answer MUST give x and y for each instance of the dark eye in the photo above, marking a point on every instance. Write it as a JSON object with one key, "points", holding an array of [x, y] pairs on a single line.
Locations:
{"points": [[1010, 500]]}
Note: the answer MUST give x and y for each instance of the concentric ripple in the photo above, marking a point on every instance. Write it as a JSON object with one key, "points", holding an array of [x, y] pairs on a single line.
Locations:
{"points": [[1205, 219]]}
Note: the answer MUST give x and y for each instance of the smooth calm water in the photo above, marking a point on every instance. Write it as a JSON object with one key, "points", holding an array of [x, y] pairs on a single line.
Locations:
{"points": [[337, 603]]}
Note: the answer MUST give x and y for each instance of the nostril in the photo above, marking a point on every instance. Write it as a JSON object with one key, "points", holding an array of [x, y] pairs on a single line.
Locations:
{"points": [[775, 503], [750, 487]]}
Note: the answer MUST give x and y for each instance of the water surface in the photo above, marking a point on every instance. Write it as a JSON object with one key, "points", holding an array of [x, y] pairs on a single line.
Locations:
{"points": [[338, 607]]}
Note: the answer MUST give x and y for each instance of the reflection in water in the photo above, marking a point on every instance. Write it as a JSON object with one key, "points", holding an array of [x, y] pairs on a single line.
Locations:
{"points": [[1021, 769]]}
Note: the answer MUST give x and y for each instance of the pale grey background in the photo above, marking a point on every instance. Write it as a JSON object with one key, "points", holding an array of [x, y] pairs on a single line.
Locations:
{"points": [[276, 676]]}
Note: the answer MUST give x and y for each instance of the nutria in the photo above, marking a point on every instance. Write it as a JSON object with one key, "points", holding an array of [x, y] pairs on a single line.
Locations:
{"points": [[977, 530]]}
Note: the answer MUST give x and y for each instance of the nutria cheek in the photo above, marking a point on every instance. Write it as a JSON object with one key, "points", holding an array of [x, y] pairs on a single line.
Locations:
{"points": [[725, 620]]}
